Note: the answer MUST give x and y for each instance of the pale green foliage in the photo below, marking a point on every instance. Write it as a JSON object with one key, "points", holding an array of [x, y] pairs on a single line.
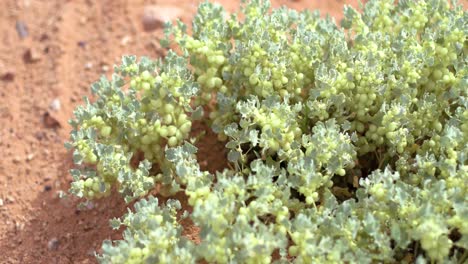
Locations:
{"points": [[163, 244], [346, 144], [152, 112]]}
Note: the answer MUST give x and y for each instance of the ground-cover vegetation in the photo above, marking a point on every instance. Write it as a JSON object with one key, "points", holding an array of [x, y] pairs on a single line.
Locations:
{"points": [[346, 143]]}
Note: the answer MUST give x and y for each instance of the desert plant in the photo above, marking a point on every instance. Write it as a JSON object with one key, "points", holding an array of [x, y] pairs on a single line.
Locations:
{"points": [[346, 144]]}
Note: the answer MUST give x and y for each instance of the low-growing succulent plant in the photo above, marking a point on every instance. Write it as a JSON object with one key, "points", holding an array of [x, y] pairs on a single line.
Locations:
{"points": [[348, 144]]}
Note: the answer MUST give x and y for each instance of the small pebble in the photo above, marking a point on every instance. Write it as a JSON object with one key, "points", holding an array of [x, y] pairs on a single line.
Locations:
{"points": [[21, 29], [125, 40], [30, 156], [10, 199], [47, 188], [44, 37], [40, 135], [82, 44], [19, 226], [6, 73], [88, 65], [50, 121], [105, 68], [8, 76], [55, 104], [32, 55], [53, 244], [1, 202]]}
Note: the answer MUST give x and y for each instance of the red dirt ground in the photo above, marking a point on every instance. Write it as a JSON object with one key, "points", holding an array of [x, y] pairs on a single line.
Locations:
{"points": [[72, 43]]}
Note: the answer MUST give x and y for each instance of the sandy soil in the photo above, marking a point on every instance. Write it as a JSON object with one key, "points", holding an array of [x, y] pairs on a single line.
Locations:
{"points": [[69, 44]]}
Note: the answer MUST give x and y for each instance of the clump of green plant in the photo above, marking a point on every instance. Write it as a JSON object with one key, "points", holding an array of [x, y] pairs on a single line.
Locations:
{"points": [[346, 144]]}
